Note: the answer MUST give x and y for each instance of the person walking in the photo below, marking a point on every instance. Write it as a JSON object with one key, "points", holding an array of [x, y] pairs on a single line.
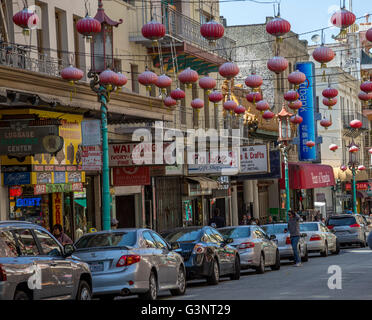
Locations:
{"points": [[62, 237], [294, 233], [217, 221]]}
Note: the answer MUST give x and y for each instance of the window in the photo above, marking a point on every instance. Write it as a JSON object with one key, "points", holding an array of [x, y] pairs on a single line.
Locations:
{"points": [[47, 243], [183, 111], [8, 246], [206, 111], [149, 241], [259, 234], [308, 226], [160, 243], [195, 116], [134, 77], [107, 240], [27, 243], [236, 233], [190, 235]]}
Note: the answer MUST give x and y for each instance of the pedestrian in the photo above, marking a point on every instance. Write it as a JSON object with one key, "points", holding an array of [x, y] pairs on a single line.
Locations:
{"points": [[62, 237], [257, 221], [244, 220], [294, 233], [114, 223], [217, 221], [270, 219]]}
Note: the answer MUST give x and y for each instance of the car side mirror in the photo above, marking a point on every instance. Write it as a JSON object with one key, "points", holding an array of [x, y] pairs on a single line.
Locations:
{"points": [[303, 235], [175, 246], [68, 250], [272, 237]]}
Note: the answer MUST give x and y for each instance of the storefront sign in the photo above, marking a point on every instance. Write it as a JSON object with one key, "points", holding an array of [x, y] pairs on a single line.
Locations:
{"points": [[59, 177], [307, 128], [25, 168], [44, 177], [360, 186], [74, 177], [92, 158], [17, 178], [254, 159], [57, 208], [131, 176], [15, 191], [53, 188], [176, 170], [91, 132], [28, 202]]}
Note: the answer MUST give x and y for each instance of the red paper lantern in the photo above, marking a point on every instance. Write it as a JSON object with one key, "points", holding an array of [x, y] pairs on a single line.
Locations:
{"points": [[153, 30], [239, 109], [325, 123], [178, 94], [323, 55], [310, 144], [370, 151], [366, 86], [343, 18], [170, 102], [254, 97], [333, 147], [88, 26], [369, 35], [188, 77], [212, 30], [353, 149], [163, 82], [297, 78], [278, 27], [230, 105], [207, 83], [122, 80], [215, 97], [330, 102], [277, 64], [268, 115], [147, 78], [254, 81], [262, 106], [228, 70], [364, 96], [295, 105], [330, 93], [296, 119], [356, 124], [343, 168], [26, 19], [197, 104], [72, 74], [291, 95], [361, 168], [108, 77]]}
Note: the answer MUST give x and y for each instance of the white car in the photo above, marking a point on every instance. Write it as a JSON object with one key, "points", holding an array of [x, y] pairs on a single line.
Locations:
{"points": [[319, 238]]}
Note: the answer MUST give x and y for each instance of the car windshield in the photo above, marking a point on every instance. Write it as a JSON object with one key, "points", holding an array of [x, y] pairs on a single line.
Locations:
{"points": [[183, 236], [344, 221], [110, 239], [308, 227], [275, 228], [236, 233]]}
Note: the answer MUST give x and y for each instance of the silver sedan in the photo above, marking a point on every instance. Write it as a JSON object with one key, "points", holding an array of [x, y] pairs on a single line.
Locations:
{"points": [[256, 249], [131, 262]]}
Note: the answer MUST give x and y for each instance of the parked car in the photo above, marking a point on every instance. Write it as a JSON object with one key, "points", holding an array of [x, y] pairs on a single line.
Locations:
{"points": [[280, 230], [206, 253], [256, 249], [368, 223], [131, 262], [349, 229], [34, 266], [319, 238]]}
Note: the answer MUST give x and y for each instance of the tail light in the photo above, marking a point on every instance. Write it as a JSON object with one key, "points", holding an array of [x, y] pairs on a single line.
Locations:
{"points": [[355, 225], [315, 237], [199, 248], [288, 240], [330, 227], [2, 273], [246, 245], [127, 260]]}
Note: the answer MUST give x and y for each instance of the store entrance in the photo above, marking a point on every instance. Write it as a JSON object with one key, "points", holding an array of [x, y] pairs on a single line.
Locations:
{"points": [[126, 211]]}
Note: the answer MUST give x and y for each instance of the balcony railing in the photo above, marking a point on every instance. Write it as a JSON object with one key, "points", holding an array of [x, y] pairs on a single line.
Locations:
{"points": [[184, 29]]}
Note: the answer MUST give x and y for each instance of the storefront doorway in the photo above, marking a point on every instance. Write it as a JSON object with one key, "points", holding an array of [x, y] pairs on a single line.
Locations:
{"points": [[126, 211]]}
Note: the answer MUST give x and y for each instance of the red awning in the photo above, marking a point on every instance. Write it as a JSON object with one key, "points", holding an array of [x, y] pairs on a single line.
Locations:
{"points": [[308, 176]]}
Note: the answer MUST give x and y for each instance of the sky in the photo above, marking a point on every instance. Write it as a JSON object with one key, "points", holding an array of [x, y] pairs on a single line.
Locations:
{"points": [[304, 15]]}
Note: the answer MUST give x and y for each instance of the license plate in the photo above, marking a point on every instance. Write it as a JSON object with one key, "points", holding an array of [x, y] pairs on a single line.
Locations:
{"points": [[96, 267]]}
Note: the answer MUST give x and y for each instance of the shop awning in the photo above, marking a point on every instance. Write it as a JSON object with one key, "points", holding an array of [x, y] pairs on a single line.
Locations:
{"points": [[348, 176], [81, 202], [205, 183], [308, 176]]}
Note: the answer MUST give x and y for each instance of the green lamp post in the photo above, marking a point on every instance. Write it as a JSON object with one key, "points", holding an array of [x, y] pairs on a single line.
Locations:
{"points": [[353, 167]]}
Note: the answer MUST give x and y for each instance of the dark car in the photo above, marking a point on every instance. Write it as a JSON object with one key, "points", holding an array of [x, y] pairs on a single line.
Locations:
{"points": [[206, 253]]}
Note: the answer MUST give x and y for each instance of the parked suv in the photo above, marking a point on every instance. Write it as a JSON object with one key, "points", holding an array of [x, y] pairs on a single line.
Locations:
{"points": [[349, 229], [33, 265]]}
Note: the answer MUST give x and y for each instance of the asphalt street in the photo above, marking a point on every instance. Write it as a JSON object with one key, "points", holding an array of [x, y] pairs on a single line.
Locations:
{"points": [[304, 283]]}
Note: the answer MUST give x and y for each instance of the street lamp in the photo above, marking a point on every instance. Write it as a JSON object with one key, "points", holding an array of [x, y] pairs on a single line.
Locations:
{"points": [[353, 166], [103, 82], [285, 136]]}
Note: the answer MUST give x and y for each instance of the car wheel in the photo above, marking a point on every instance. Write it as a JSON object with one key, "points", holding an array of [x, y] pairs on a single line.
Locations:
{"points": [[181, 283], [21, 295], [305, 258], [152, 293], [84, 292], [215, 277], [325, 252], [337, 248], [276, 266], [236, 274], [261, 267]]}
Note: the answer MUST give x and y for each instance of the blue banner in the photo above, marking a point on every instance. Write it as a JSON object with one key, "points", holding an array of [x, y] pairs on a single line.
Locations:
{"points": [[17, 178], [307, 129]]}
